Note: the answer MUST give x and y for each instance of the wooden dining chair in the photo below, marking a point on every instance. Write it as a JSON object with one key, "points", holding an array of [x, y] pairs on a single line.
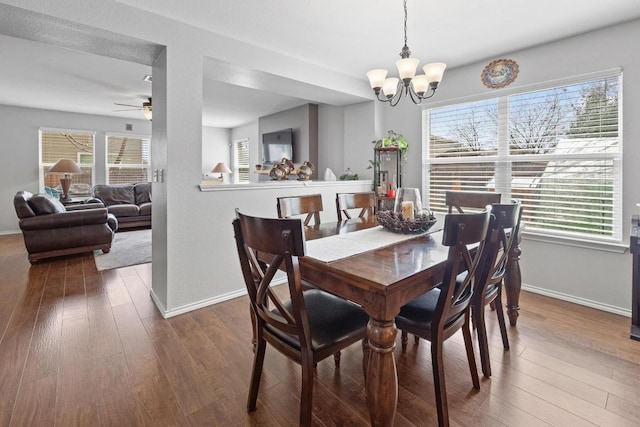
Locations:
{"points": [[501, 237], [366, 202], [311, 205], [441, 312], [308, 327], [477, 200]]}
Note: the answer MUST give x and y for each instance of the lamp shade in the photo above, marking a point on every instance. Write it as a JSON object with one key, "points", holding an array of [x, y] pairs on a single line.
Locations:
{"points": [[66, 167], [221, 168]]}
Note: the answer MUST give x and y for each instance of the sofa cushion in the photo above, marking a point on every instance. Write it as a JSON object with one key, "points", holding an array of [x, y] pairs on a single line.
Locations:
{"points": [[124, 210], [114, 194], [145, 209], [142, 192], [44, 204]]}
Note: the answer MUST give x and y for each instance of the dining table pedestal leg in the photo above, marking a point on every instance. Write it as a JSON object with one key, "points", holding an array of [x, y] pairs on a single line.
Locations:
{"points": [[381, 380]]}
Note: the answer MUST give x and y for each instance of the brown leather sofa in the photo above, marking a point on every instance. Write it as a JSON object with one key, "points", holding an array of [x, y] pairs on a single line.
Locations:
{"points": [[50, 229], [130, 203]]}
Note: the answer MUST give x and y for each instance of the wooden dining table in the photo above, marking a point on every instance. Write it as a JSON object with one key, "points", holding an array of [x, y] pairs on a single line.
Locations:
{"points": [[381, 280]]}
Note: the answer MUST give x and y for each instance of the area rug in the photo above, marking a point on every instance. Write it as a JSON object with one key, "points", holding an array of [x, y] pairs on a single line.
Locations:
{"points": [[128, 248]]}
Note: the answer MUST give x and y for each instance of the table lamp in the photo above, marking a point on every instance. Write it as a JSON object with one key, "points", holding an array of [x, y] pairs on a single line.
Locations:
{"points": [[66, 167], [221, 168]]}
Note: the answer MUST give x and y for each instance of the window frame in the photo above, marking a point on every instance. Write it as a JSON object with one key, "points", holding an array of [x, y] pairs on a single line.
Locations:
{"points": [[614, 242]]}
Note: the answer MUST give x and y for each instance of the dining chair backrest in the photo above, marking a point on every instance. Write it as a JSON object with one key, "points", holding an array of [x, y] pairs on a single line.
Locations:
{"points": [[465, 235], [366, 202], [265, 245], [438, 314], [476, 200], [501, 237], [309, 326], [311, 205], [499, 244]]}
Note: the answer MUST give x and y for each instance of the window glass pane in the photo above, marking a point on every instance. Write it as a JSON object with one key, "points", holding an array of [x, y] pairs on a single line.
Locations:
{"points": [[539, 120], [557, 150], [458, 176], [128, 159], [568, 195], [464, 130], [73, 145], [241, 169]]}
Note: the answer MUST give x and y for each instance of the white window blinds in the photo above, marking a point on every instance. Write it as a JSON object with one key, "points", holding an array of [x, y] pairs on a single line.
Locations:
{"points": [[128, 159], [558, 150], [241, 161]]}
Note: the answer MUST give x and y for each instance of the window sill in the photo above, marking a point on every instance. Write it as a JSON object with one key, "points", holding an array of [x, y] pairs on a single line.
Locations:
{"points": [[606, 246]]}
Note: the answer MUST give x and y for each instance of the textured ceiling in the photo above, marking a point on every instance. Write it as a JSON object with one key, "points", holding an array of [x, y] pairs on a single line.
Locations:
{"points": [[349, 37]]}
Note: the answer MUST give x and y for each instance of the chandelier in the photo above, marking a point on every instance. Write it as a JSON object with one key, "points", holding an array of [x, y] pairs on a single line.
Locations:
{"points": [[418, 87]]}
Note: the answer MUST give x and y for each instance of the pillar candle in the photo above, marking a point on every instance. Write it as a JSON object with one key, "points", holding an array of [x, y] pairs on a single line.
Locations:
{"points": [[407, 210]]}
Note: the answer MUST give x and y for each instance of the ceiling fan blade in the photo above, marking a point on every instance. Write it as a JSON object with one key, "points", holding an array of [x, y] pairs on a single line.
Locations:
{"points": [[127, 105], [129, 109]]}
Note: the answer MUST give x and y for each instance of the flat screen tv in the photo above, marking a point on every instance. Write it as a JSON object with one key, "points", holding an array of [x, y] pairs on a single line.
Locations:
{"points": [[276, 145]]}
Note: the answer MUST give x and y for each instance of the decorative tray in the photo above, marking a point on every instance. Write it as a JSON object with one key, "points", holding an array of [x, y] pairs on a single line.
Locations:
{"points": [[394, 222]]}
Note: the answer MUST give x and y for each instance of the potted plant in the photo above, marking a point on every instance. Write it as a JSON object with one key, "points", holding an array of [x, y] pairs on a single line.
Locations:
{"points": [[393, 139]]}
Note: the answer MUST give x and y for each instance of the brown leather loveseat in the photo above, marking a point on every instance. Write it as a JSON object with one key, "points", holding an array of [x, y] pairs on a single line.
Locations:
{"points": [[130, 203], [50, 229]]}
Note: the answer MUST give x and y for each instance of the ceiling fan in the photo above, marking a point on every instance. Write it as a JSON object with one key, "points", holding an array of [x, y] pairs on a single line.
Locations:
{"points": [[145, 107]]}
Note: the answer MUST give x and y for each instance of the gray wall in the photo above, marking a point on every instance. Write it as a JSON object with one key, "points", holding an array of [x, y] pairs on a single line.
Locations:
{"points": [[587, 275], [216, 147], [19, 165]]}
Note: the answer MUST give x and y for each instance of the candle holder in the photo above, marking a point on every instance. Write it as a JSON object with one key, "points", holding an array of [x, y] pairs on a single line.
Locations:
{"points": [[407, 215], [408, 203]]}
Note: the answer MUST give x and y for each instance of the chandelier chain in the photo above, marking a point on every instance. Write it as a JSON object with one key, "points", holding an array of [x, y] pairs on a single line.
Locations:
{"points": [[405, 22]]}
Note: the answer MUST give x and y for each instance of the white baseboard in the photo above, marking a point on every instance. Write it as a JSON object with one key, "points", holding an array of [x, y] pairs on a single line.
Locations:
{"points": [[577, 300], [194, 306], [536, 290], [204, 303]]}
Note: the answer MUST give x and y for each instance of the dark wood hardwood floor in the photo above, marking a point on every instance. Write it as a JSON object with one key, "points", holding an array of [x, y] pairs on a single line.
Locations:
{"points": [[88, 348]]}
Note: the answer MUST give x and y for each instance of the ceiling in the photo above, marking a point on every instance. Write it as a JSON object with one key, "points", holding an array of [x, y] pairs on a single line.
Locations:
{"points": [[347, 37]]}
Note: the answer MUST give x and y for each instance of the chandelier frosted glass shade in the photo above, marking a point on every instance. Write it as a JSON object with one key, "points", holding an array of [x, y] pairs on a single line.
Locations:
{"points": [[418, 87]]}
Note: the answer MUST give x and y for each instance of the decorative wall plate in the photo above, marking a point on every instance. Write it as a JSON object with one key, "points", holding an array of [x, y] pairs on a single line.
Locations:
{"points": [[499, 73]]}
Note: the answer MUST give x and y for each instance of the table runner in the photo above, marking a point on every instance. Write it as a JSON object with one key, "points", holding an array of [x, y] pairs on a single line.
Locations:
{"points": [[341, 246]]}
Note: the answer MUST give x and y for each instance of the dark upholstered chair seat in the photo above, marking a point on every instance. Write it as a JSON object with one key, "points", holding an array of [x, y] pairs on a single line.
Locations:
{"points": [[331, 320], [419, 313]]}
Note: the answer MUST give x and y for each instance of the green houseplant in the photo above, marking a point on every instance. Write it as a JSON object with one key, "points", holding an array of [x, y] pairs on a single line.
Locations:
{"points": [[393, 139]]}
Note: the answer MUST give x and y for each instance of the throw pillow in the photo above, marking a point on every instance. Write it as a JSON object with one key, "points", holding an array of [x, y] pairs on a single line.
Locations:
{"points": [[44, 204]]}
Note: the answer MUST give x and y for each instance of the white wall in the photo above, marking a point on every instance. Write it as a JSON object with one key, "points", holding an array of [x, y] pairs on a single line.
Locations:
{"points": [[19, 141], [588, 276], [216, 147]]}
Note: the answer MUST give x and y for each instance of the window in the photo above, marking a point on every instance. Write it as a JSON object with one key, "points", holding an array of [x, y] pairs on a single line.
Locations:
{"points": [[56, 144], [128, 159], [558, 150], [241, 161]]}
